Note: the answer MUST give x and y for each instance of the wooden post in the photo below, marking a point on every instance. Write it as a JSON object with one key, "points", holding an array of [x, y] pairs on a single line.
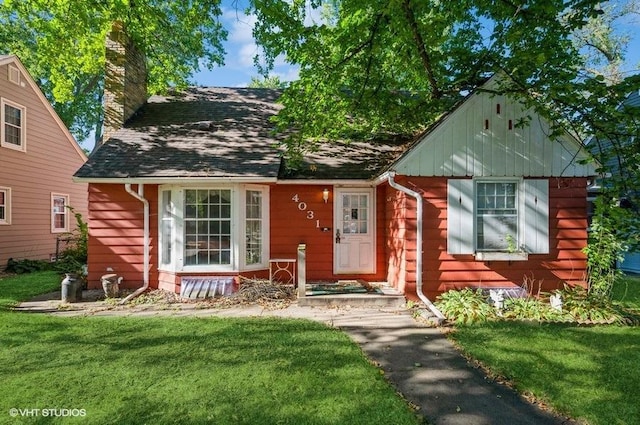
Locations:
{"points": [[302, 270]]}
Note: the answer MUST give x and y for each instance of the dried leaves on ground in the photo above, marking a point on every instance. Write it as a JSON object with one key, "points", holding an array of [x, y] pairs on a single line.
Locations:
{"points": [[271, 295]]}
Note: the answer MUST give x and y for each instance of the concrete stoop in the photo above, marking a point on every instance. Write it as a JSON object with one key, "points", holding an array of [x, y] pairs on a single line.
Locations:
{"points": [[389, 298]]}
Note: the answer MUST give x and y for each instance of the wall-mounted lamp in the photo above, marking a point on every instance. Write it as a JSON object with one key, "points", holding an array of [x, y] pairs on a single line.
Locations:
{"points": [[325, 195]]}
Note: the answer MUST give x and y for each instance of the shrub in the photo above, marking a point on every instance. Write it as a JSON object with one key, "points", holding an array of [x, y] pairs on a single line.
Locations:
{"points": [[74, 256], [466, 306], [26, 266]]}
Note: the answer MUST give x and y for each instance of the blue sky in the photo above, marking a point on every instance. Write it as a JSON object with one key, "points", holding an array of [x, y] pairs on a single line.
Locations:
{"points": [[241, 49]]}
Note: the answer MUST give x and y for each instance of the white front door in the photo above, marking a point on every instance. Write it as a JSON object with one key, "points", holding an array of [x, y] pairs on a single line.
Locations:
{"points": [[354, 240]]}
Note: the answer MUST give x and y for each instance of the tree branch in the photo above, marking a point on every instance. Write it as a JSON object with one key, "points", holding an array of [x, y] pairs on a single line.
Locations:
{"points": [[422, 51]]}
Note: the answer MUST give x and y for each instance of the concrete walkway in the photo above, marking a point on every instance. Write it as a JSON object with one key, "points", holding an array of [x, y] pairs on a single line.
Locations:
{"points": [[417, 359]]}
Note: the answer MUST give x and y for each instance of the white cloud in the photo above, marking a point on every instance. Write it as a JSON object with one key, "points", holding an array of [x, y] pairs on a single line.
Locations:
{"points": [[240, 26]]}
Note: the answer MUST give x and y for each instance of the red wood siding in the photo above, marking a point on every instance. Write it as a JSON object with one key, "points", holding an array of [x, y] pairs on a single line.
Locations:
{"points": [[442, 271], [290, 227], [116, 221], [48, 164]]}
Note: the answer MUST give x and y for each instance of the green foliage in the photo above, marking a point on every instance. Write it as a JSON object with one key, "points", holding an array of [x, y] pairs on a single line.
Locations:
{"points": [[581, 306], [26, 266], [530, 308], [466, 306], [74, 257], [176, 37], [373, 68], [605, 248], [269, 82]]}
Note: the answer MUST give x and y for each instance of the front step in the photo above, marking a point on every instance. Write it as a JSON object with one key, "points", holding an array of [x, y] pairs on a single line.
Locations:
{"points": [[353, 300], [384, 297]]}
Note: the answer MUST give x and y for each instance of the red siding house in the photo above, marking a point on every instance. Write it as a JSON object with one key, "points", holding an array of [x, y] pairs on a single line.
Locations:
{"points": [[38, 157], [190, 184]]}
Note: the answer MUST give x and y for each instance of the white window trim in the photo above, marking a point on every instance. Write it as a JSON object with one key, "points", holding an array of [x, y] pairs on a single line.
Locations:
{"points": [[265, 228], [533, 219], [7, 207], [238, 237], [519, 253], [55, 229], [23, 126]]}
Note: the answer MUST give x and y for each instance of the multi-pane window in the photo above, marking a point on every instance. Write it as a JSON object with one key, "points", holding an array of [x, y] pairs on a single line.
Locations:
{"points": [[355, 213], [5, 205], [59, 213], [253, 230], [497, 216], [12, 125], [207, 227]]}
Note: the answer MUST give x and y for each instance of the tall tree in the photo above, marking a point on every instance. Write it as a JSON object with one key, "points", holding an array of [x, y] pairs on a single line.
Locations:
{"points": [[369, 68], [376, 67], [62, 43]]}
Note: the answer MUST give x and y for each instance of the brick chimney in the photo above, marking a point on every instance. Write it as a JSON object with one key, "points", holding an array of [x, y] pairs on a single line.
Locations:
{"points": [[125, 86]]}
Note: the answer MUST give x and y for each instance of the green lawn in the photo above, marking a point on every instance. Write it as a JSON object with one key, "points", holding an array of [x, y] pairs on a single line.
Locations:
{"points": [[588, 373], [183, 370]]}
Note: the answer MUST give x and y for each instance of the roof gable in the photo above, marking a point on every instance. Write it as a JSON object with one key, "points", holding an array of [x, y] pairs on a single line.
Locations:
{"points": [[26, 78], [481, 137]]}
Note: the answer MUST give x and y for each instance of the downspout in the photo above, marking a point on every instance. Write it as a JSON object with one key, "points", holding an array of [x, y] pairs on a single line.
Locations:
{"points": [[419, 243], [145, 274]]}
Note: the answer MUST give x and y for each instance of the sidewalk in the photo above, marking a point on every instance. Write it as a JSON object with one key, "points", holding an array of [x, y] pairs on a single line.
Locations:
{"points": [[417, 359]]}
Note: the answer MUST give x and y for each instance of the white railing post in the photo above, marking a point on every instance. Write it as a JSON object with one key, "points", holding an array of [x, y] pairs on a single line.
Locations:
{"points": [[302, 270]]}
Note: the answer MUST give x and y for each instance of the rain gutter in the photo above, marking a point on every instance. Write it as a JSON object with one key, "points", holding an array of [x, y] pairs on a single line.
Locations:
{"points": [[139, 195], [419, 242]]}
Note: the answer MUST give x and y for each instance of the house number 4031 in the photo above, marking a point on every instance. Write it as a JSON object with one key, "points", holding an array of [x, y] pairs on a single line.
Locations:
{"points": [[302, 206]]}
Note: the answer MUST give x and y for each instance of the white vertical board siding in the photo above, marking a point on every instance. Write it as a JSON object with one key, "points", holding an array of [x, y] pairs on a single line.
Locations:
{"points": [[460, 216], [460, 145], [535, 220]]}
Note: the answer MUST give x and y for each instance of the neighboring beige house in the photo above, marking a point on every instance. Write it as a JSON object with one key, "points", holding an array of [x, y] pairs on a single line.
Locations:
{"points": [[38, 156]]}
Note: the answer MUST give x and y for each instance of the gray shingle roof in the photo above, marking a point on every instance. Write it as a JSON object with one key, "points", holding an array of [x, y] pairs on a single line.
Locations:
{"points": [[348, 160], [201, 132], [221, 133]]}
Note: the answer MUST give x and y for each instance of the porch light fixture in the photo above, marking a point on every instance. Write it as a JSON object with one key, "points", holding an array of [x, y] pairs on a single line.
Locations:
{"points": [[325, 195]]}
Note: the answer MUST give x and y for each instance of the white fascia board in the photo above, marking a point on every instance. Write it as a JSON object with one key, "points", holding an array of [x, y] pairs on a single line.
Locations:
{"points": [[176, 180], [329, 182]]}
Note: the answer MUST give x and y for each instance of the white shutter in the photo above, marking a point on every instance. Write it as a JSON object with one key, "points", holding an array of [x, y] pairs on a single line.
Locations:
{"points": [[536, 216], [460, 237]]}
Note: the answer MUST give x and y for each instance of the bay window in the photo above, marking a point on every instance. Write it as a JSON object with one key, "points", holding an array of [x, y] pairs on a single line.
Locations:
{"points": [[212, 228]]}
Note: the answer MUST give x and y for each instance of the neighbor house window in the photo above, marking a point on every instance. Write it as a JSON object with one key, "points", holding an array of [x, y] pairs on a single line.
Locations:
{"points": [[59, 213], [207, 227], [13, 125], [253, 231], [497, 215], [5, 205]]}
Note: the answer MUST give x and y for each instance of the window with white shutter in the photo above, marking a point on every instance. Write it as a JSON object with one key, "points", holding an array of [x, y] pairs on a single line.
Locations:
{"points": [[489, 217]]}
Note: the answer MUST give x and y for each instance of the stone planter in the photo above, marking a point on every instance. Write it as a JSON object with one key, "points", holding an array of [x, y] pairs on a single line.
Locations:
{"points": [[110, 285]]}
